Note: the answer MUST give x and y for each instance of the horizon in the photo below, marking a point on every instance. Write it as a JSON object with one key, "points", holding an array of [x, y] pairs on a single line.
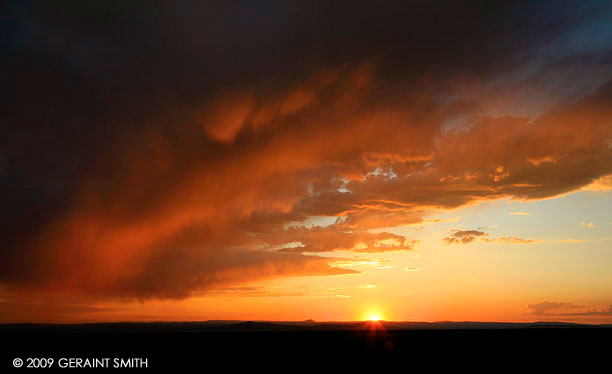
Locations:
{"points": [[311, 321], [266, 325]]}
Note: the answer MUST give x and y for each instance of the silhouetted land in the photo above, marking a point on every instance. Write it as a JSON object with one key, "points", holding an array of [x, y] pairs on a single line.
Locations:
{"points": [[219, 346]]}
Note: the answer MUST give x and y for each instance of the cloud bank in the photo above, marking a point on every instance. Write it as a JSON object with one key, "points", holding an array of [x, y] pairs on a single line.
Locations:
{"points": [[169, 153]]}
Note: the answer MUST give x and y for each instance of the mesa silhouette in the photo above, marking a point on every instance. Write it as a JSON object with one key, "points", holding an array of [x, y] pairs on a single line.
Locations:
{"points": [[320, 346]]}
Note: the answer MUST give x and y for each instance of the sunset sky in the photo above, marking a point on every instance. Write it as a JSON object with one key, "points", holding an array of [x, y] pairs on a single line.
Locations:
{"points": [[420, 161]]}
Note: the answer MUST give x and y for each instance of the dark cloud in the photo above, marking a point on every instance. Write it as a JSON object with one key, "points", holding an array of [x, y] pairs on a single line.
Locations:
{"points": [[151, 150]]}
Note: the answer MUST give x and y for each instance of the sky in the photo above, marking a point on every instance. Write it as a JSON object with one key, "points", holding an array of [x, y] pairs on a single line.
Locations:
{"points": [[418, 161]]}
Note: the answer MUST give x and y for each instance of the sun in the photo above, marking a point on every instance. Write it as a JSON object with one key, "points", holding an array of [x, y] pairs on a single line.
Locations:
{"points": [[374, 318]]}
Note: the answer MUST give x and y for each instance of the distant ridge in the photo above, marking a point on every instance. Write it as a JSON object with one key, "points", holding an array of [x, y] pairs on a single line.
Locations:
{"points": [[307, 325]]}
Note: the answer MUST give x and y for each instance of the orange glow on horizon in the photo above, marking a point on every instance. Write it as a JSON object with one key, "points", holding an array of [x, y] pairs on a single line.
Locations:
{"points": [[373, 314]]}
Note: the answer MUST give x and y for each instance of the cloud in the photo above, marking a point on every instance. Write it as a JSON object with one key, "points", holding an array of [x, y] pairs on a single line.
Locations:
{"points": [[546, 306], [225, 115], [593, 312], [516, 240], [538, 161], [464, 236], [175, 274], [588, 224], [138, 167], [570, 240], [439, 220], [368, 286], [333, 238], [262, 291], [357, 261], [567, 310], [519, 213], [412, 269], [603, 183], [468, 236]]}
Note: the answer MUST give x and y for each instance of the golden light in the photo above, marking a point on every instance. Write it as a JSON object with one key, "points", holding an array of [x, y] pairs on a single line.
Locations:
{"points": [[374, 324], [372, 313]]}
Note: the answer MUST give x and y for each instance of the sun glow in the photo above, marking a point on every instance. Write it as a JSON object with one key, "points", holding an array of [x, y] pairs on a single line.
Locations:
{"points": [[374, 317]]}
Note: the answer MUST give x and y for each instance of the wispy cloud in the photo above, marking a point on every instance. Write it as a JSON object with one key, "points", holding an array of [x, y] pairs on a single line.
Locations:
{"points": [[547, 306], [567, 310], [538, 161], [412, 269], [357, 261], [519, 213], [516, 240], [367, 286], [468, 236], [440, 220]]}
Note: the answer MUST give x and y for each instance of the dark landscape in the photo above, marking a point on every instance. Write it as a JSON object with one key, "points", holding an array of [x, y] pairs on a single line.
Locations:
{"points": [[218, 346]]}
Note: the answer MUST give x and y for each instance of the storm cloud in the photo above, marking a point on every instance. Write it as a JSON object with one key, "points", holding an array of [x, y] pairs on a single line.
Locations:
{"points": [[151, 150]]}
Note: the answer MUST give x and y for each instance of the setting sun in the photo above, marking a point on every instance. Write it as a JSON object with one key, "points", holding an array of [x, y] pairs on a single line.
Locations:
{"points": [[374, 317]]}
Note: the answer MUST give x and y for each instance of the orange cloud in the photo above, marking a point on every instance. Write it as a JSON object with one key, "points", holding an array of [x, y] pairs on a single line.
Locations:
{"points": [[200, 199], [538, 161], [327, 239], [225, 115], [184, 200], [570, 240], [516, 240], [140, 165], [603, 183]]}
